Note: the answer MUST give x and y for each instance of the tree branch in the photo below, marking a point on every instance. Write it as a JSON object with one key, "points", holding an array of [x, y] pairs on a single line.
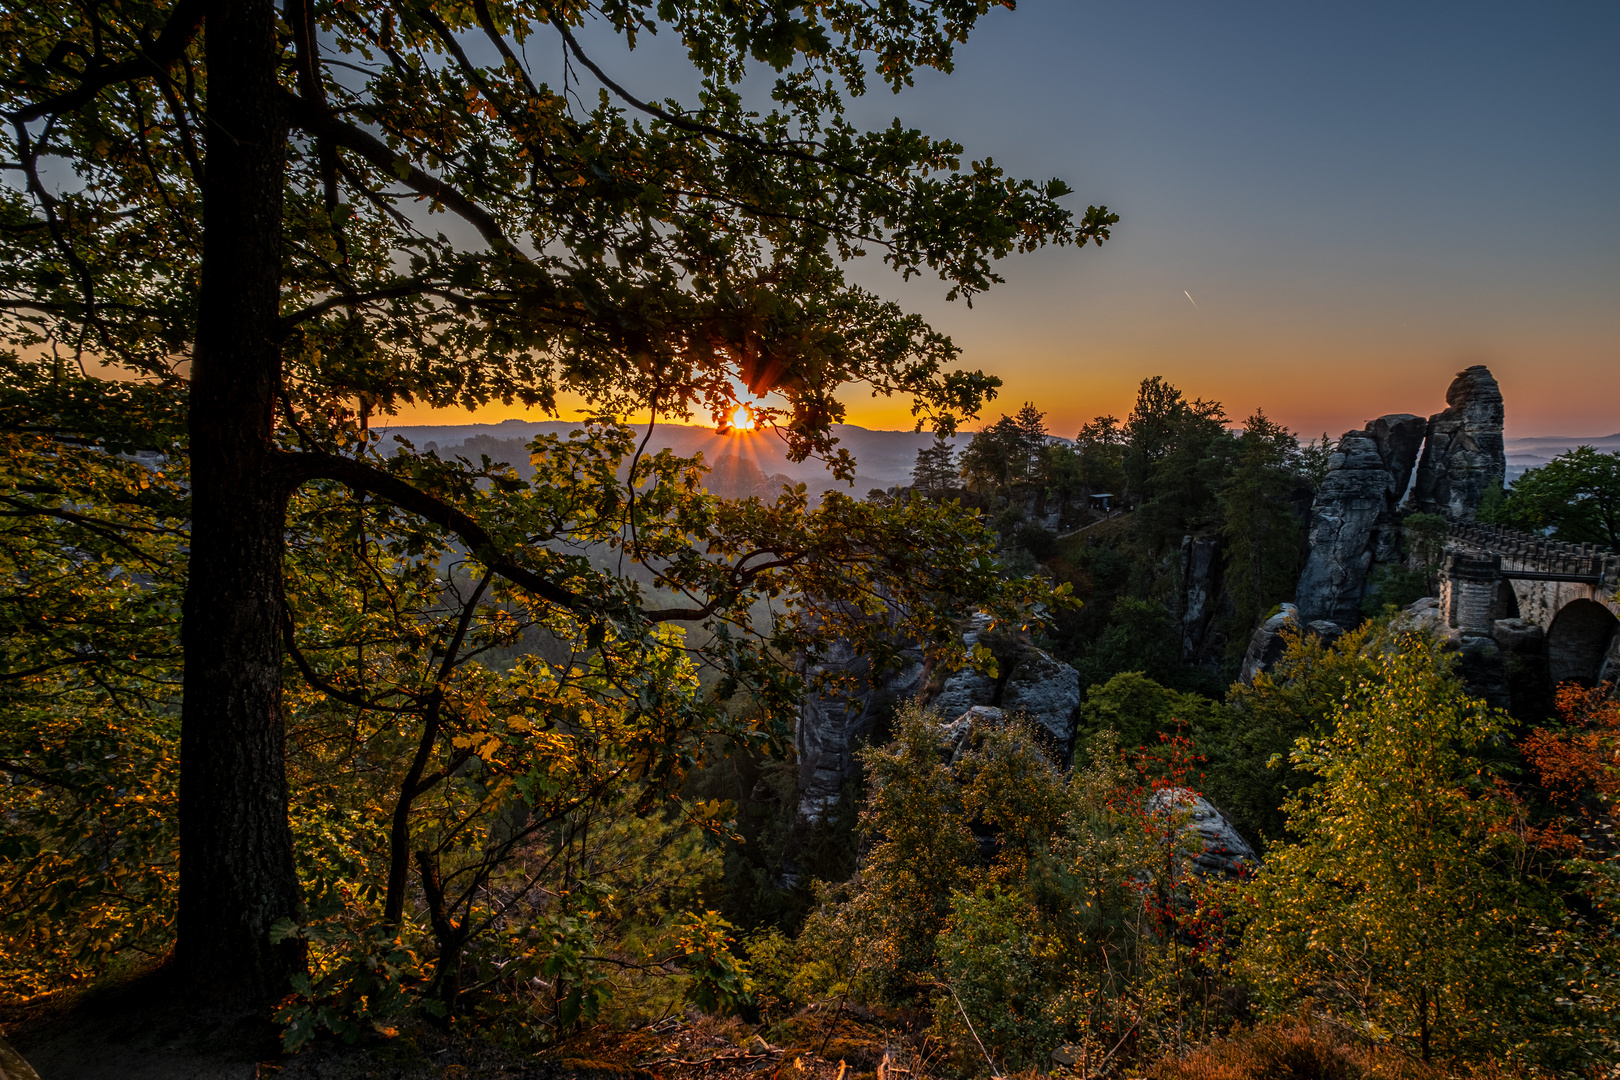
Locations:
{"points": [[298, 468], [177, 34], [322, 124]]}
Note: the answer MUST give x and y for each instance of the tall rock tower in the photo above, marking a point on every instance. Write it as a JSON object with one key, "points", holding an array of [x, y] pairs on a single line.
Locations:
{"points": [[1354, 521], [1463, 455]]}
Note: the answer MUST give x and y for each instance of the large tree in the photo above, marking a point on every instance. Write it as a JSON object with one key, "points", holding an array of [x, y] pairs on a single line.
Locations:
{"points": [[1577, 494], [299, 219]]}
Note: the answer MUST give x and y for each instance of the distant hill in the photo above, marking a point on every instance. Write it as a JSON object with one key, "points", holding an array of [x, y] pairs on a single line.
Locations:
{"points": [[1536, 450], [748, 464]]}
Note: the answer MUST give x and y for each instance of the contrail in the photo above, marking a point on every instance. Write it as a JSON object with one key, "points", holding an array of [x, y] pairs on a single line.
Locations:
{"points": [[1190, 300]]}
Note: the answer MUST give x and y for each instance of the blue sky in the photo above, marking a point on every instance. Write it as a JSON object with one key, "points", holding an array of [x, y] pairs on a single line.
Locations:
{"points": [[1360, 198]]}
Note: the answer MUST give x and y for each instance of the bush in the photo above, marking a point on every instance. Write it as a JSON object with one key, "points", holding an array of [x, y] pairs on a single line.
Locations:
{"points": [[999, 969], [1291, 1052]]}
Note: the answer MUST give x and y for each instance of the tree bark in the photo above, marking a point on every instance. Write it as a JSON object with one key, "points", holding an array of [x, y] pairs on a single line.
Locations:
{"points": [[237, 875]]}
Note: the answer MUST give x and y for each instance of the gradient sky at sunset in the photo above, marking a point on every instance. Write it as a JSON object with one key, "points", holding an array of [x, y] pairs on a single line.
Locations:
{"points": [[1360, 198]]}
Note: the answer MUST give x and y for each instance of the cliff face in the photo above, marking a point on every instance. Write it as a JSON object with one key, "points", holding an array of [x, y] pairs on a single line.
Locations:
{"points": [[1353, 521], [833, 722], [1463, 456]]}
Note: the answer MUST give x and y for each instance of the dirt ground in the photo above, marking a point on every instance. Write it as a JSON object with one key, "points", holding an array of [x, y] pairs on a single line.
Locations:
{"points": [[134, 1031]]}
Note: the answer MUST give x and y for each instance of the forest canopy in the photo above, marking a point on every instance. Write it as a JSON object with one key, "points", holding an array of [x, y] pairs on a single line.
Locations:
{"points": [[254, 225]]}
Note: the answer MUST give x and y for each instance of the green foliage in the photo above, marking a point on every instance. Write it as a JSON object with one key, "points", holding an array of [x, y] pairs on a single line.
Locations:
{"points": [[1249, 743], [1392, 585], [1136, 710], [877, 932], [1049, 909], [717, 980], [1576, 494], [1313, 461], [1008, 457], [1177, 453], [772, 964], [92, 564], [1139, 635], [1425, 535], [1264, 536], [367, 989], [1000, 970], [936, 468], [481, 682], [1401, 909], [1099, 453]]}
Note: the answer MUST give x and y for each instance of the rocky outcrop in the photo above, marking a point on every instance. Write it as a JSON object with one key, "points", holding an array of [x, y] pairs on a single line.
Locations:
{"points": [[1267, 644], [956, 737], [964, 689], [1045, 690], [1463, 455], [834, 720], [1487, 661], [1211, 843], [1353, 520], [12, 1065], [1201, 591], [1029, 682]]}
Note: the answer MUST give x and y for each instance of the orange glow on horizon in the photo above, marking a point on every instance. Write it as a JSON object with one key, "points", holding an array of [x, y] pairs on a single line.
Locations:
{"points": [[742, 419]]}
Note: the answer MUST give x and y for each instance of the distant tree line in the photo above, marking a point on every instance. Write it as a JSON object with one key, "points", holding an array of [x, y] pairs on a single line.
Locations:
{"points": [[1180, 468]]}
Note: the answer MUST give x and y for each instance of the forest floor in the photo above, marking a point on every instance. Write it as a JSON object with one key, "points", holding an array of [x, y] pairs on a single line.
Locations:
{"points": [[136, 1030]]}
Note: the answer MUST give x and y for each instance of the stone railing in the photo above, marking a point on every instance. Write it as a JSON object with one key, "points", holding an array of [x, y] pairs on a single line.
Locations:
{"points": [[1529, 553]]}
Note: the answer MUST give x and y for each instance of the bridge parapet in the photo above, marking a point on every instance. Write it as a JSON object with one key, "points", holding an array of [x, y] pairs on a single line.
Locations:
{"points": [[1528, 556]]}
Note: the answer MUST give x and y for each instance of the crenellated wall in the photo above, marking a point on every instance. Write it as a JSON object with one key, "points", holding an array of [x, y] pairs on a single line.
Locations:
{"points": [[1571, 591]]}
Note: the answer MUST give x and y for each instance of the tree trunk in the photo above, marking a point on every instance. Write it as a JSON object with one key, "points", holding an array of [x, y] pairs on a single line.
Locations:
{"points": [[236, 869]]}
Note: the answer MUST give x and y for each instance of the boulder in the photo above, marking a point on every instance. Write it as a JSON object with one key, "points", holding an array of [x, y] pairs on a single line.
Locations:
{"points": [[1463, 453], [1045, 690], [1517, 636], [1424, 614], [962, 691], [1482, 659], [833, 721], [12, 1065], [1031, 682], [1266, 644], [956, 737], [1211, 843]]}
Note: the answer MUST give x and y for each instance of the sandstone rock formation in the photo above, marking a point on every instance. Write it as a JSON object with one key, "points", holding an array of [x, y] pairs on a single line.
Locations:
{"points": [[1267, 644], [956, 737], [12, 1065], [1045, 690], [1201, 589], [833, 721], [1031, 682], [1212, 843], [1353, 521], [1463, 456]]}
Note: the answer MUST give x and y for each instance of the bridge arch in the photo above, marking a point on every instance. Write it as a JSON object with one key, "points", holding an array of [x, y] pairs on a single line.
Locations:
{"points": [[1578, 641]]}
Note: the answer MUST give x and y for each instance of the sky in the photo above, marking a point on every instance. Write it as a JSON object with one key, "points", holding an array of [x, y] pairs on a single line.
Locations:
{"points": [[1326, 209]]}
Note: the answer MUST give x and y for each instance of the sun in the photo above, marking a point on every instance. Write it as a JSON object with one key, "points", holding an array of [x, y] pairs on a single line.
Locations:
{"points": [[742, 419]]}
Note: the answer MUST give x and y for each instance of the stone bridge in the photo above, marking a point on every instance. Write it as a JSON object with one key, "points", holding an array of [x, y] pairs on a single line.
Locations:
{"points": [[1570, 591]]}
